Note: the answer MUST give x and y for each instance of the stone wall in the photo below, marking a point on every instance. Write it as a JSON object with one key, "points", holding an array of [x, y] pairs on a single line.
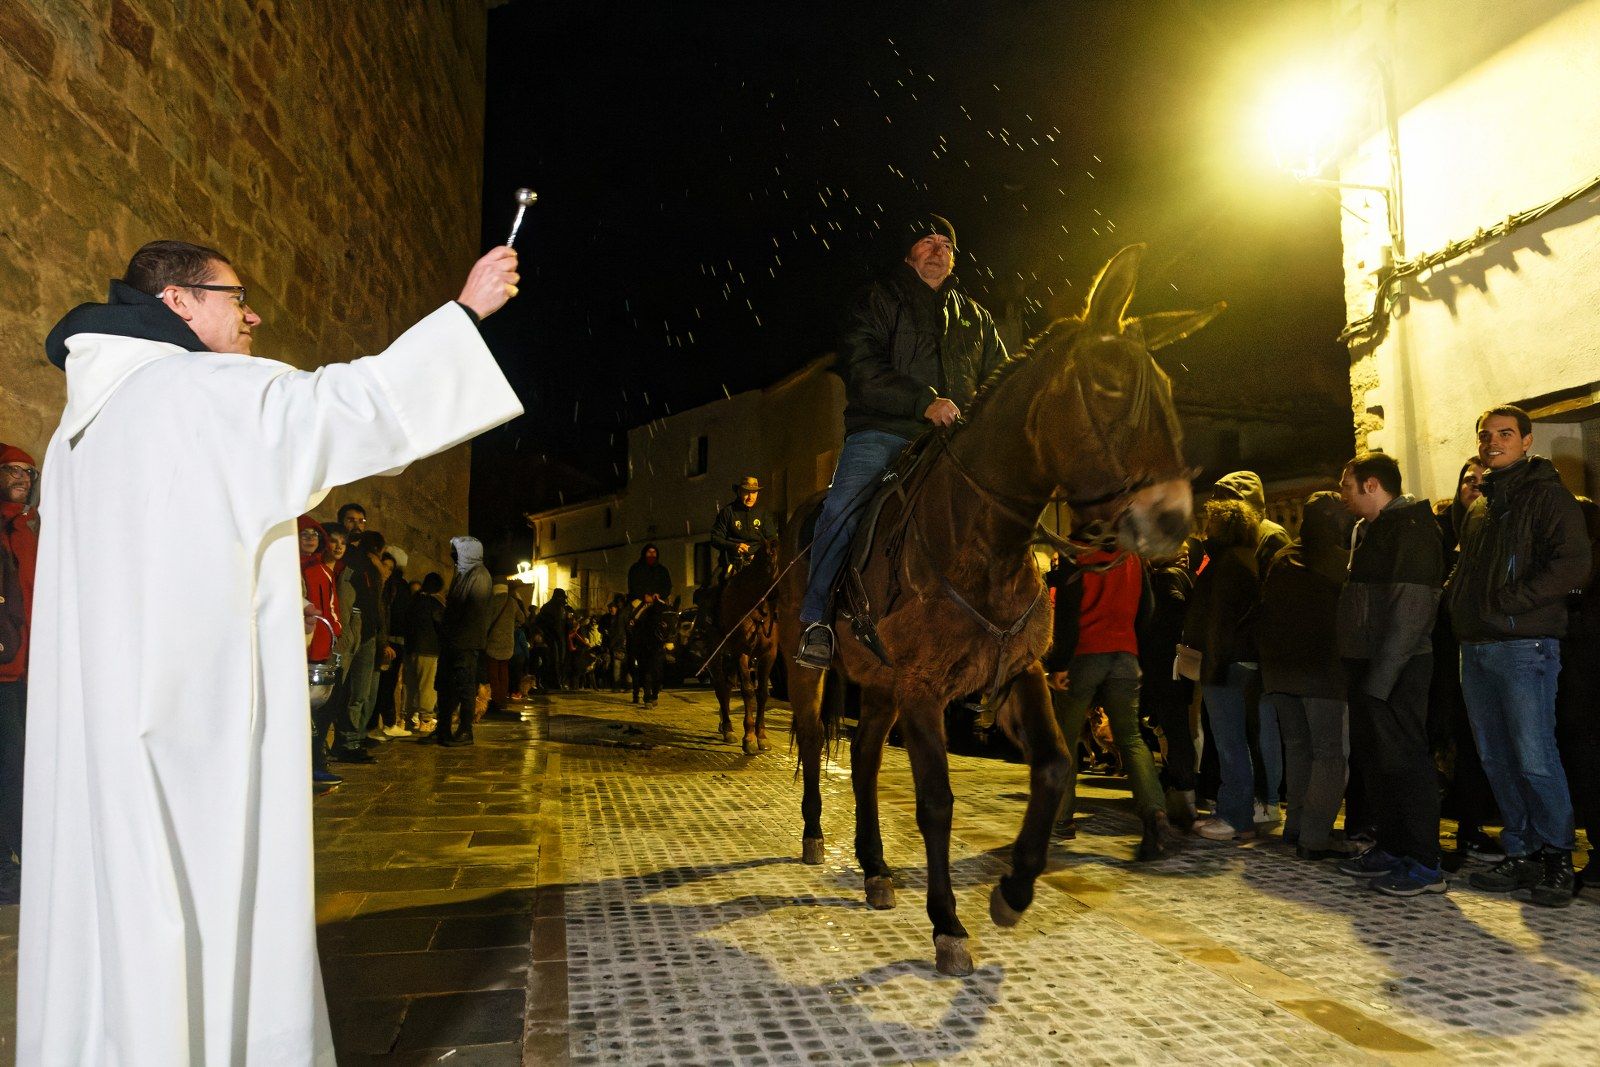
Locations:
{"points": [[332, 150]]}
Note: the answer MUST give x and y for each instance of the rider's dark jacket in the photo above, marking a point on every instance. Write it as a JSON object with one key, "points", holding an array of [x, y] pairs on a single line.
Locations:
{"points": [[905, 345], [738, 525]]}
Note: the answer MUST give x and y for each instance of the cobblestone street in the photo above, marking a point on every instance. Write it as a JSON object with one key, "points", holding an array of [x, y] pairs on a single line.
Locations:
{"points": [[654, 872]]}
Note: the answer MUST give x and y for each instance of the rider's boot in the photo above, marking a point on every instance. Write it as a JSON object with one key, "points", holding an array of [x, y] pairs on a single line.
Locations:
{"points": [[816, 647]]}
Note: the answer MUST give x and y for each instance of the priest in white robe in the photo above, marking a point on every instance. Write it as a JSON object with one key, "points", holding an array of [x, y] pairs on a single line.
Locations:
{"points": [[167, 902]]}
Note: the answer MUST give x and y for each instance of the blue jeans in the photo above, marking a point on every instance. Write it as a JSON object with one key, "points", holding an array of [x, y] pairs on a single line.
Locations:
{"points": [[1510, 692], [359, 679], [1225, 705], [865, 455], [1269, 739]]}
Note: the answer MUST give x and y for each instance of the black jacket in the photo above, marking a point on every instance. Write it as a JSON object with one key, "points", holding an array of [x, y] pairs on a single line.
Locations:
{"points": [[1220, 622], [1297, 625], [738, 525], [905, 345], [424, 616], [1524, 549], [1387, 609], [649, 578]]}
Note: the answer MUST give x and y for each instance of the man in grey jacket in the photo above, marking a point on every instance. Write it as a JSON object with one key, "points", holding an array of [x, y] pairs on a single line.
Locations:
{"points": [[1386, 614]]}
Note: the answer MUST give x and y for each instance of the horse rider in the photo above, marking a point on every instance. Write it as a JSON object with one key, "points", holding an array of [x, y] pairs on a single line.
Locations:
{"points": [[741, 528], [914, 352]]}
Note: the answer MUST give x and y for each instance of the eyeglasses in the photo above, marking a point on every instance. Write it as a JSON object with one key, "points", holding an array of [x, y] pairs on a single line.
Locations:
{"points": [[236, 290], [17, 474]]}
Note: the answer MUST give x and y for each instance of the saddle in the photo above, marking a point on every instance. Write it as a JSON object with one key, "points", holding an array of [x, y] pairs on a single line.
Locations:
{"points": [[849, 598]]}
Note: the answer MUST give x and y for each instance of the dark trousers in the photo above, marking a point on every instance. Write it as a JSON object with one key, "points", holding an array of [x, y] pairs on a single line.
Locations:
{"points": [[458, 693], [1167, 703], [13, 728], [1398, 776]]}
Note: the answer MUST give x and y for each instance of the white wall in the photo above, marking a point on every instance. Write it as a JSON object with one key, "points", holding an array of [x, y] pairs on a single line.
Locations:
{"points": [[1500, 132]]}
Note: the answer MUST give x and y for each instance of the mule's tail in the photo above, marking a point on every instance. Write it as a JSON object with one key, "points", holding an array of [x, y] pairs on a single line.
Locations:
{"points": [[832, 712]]}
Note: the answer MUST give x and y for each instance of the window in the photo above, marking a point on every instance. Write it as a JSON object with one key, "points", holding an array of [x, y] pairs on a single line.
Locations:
{"points": [[700, 456], [702, 563], [552, 530], [608, 518]]}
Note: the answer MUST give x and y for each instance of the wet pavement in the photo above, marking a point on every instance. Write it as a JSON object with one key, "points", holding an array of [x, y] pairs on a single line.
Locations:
{"points": [[604, 884]]}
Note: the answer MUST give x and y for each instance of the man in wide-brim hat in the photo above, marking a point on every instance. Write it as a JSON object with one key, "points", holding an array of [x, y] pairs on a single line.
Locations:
{"points": [[742, 526]]}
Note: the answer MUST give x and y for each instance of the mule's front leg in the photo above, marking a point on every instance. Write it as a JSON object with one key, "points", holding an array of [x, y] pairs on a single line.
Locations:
{"points": [[746, 684], [805, 695], [724, 688], [763, 684], [923, 723], [866, 757], [1048, 770]]}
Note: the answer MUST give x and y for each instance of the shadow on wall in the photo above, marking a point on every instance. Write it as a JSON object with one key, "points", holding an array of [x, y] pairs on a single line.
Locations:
{"points": [[1446, 283]]}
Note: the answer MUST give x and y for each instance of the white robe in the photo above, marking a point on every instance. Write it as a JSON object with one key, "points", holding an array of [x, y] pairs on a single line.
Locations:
{"points": [[167, 901]]}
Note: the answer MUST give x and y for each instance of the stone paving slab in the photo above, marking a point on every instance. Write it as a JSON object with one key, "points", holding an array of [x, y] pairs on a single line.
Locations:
{"points": [[693, 934]]}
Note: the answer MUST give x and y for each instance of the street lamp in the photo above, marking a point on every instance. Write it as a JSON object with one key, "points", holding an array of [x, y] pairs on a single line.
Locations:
{"points": [[1314, 116]]}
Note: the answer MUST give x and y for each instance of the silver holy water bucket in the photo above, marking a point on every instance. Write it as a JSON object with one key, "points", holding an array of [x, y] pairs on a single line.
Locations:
{"points": [[322, 674]]}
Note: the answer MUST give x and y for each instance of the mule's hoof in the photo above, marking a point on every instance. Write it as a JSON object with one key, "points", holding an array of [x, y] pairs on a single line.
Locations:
{"points": [[727, 737], [811, 850], [951, 956], [750, 748], [880, 892], [1002, 913], [761, 742]]}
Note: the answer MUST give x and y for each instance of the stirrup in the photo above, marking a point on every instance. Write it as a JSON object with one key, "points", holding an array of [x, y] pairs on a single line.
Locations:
{"points": [[816, 646]]}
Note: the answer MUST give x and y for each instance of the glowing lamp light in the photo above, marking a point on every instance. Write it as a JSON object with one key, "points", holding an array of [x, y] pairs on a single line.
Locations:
{"points": [[1308, 119]]}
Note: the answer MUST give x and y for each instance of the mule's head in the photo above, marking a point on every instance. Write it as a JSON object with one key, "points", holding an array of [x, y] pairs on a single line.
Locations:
{"points": [[1103, 425]]}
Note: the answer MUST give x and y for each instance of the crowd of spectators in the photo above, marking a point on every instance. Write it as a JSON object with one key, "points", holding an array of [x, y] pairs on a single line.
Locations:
{"points": [[1398, 662]]}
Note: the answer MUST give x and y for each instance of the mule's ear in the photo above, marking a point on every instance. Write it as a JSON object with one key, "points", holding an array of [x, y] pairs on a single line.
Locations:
{"points": [[1113, 290], [1165, 327]]}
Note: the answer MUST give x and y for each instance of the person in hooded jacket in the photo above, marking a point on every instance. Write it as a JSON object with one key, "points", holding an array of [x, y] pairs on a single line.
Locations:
{"points": [[1220, 625], [648, 577], [551, 621], [1297, 638], [1524, 551], [464, 635], [507, 613], [1261, 716], [19, 540]]}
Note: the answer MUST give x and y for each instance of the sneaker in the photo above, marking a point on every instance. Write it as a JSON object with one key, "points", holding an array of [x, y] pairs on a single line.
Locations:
{"points": [[816, 647], [1370, 864], [460, 740], [1410, 879], [1554, 889], [1513, 872], [1067, 829], [377, 734], [1266, 813], [325, 778], [425, 728], [353, 755], [1481, 846], [1215, 829], [397, 730]]}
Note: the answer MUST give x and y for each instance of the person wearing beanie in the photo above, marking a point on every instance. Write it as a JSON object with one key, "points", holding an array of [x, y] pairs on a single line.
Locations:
{"points": [[19, 540], [914, 352]]}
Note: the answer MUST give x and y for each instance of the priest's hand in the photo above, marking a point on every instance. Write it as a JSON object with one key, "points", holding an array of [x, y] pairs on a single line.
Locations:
{"points": [[492, 282]]}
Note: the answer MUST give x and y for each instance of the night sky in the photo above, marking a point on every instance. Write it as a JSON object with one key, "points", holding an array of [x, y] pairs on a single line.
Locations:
{"points": [[715, 180]]}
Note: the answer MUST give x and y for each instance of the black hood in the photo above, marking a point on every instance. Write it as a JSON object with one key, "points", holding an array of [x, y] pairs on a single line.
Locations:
{"points": [[127, 312]]}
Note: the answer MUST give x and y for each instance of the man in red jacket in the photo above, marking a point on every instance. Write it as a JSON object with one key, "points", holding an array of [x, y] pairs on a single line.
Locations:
{"points": [[1094, 662], [19, 530]]}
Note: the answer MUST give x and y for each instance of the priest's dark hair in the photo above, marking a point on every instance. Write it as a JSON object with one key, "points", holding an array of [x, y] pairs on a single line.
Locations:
{"points": [[163, 263]]}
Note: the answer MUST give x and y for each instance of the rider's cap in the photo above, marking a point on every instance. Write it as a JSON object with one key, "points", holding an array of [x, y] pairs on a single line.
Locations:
{"points": [[749, 485]]}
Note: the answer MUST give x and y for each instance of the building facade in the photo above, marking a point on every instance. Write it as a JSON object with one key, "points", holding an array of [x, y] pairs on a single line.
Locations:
{"points": [[331, 150], [681, 470], [1483, 123]]}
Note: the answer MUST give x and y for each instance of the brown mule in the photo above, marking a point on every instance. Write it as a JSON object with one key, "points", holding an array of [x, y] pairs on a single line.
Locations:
{"points": [[745, 628], [1084, 416]]}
